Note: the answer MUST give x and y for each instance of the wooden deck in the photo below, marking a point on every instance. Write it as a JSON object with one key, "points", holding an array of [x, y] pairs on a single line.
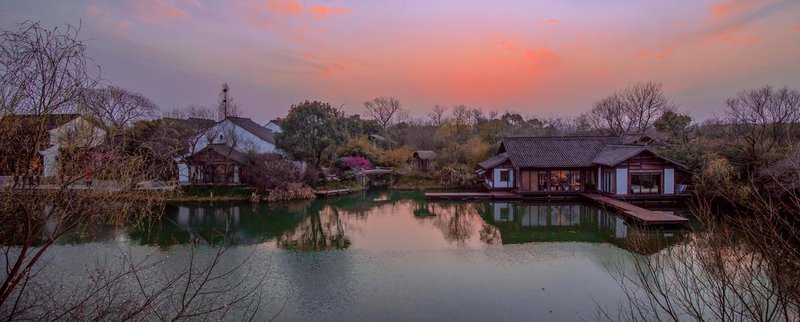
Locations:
{"points": [[639, 214], [328, 193], [497, 195]]}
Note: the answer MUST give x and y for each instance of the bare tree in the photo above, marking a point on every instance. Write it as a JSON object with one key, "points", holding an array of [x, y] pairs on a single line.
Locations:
{"points": [[384, 110], [117, 107], [461, 115], [630, 111], [759, 121], [739, 263], [476, 116], [42, 70], [437, 115], [645, 102], [609, 114], [226, 106], [44, 73]]}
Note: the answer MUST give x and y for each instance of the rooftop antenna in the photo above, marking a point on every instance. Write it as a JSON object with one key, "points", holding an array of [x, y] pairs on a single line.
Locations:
{"points": [[225, 99]]}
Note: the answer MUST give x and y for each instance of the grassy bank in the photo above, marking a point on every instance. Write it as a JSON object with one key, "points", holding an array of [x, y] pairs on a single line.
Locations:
{"points": [[418, 181], [211, 193], [341, 184]]}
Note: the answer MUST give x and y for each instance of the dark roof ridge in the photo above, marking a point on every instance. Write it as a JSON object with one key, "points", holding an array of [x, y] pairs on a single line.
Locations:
{"points": [[560, 136]]}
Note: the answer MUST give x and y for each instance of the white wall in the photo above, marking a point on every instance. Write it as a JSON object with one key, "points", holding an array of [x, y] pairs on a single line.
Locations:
{"points": [[79, 132], [669, 181], [230, 134], [50, 165], [622, 181], [500, 184], [273, 127], [183, 173]]}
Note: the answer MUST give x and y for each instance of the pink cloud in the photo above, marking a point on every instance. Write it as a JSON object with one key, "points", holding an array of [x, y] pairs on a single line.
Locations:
{"points": [[295, 8], [159, 11], [551, 20], [733, 36], [93, 11], [329, 70], [291, 19], [727, 8], [658, 54]]}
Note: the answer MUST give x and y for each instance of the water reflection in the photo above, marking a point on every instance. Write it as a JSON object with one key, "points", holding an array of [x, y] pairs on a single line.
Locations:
{"points": [[386, 221], [560, 222]]}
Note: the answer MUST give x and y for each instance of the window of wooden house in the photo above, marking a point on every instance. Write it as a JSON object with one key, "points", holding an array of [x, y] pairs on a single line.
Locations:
{"points": [[645, 182], [542, 180], [504, 176]]}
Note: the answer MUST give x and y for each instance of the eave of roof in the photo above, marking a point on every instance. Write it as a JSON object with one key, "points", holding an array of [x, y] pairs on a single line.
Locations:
{"points": [[493, 161]]}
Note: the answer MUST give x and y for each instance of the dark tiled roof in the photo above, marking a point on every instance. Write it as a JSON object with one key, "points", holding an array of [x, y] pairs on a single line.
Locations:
{"points": [[425, 154], [550, 152], [227, 152], [190, 123], [612, 155], [253, 127], [493, 161]]}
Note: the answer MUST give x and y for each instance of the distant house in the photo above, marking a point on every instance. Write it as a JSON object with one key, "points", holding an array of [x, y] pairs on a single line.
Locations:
{"points": [[424, 160], [275, 126], [217, 154], [564, 165], [41, 140], [380, 142]]}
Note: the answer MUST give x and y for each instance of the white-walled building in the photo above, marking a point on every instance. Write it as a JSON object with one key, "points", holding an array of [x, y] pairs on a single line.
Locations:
{"points": [[62, 131], [217, 154]]}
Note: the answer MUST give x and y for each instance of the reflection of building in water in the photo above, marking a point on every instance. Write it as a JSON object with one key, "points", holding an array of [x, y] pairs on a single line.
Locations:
{"points": [[522, 223], [556, 215], [187, 216]]}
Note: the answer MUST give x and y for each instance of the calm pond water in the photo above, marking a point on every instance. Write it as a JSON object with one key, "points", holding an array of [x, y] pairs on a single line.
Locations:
{"points": [[394, 256]]}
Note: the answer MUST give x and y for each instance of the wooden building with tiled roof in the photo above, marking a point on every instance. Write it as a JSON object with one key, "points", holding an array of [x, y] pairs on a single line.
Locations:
{"points": [[575, 164]]}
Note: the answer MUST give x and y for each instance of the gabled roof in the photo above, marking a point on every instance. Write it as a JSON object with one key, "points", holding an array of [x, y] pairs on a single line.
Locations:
{"points": [[190, 123], [253, 127], [615, 154], [557, 151], [227, 152], [425, 154], [278, 122], [612, 155], [493, 161]]}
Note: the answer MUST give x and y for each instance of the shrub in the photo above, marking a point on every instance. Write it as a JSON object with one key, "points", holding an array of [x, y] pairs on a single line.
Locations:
{"points": [[355, 163], [359, 146], [398, 158], [269, 171], [291, 191], [458, 175]]}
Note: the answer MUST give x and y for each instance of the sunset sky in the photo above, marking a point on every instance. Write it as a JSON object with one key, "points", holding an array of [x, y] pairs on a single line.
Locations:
{"points": [[543, 58]]}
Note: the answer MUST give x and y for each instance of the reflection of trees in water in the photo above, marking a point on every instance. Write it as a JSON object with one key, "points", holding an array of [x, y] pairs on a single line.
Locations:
{"points": [[490, 235], [457, 221], [325, 229]]}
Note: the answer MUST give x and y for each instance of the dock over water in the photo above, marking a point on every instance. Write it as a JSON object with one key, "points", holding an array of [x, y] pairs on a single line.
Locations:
{"points": [[329, 193], [639, 214]]}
